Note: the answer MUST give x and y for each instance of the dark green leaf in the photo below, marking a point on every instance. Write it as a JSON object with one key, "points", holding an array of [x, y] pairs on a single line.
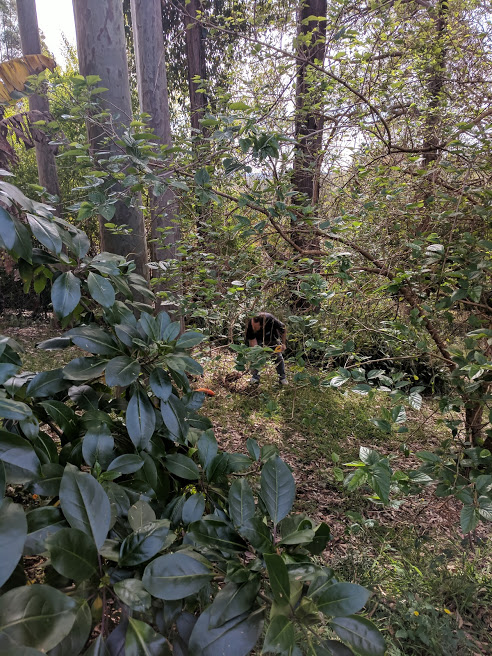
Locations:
{"points": [[241, 632], [361, 634], [160, 384], [10, 409], [13, 532], [142, 640], [82, 369], [469, 518], [280, 636], [233, 600], [257, 533], [279, 578], [140, 419], [207, 448], [122, 371], [241, 502], [127, 464], [41, 523], [98, 648], [175, 576], [193, 508], [46, 233], [133, 594], [73, 554], [182, 466], [36, 616], [54, 344], [332, 648], [216, 534], [47, 383], [48, 483], [188, 340], [94, 340], [63, 416], [144, 543], [19, 458], [140, 514], [277, 488], [342, 599], [85, 504], [101, 290], [76, 639], [65, 294]]}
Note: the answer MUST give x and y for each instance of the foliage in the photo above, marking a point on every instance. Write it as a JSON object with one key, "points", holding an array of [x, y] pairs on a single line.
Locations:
{"points": [[134, 501]]}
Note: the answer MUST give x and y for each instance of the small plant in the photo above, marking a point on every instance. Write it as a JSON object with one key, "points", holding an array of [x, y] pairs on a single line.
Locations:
{"points": [[147, 536]]}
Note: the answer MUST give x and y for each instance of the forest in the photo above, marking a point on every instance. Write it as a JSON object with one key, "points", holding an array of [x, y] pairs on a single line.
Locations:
{"points": [[189, 165]]}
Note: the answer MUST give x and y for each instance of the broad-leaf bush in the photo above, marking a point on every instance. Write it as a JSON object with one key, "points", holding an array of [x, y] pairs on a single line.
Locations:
{"points": [[149, 539]]}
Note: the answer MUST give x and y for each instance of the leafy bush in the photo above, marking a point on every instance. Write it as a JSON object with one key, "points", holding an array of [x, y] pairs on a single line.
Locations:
{"points": [[145, 534]]}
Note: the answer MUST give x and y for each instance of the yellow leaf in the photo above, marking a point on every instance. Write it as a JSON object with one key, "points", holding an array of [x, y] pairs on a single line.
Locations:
{"points": [[14, 74]]}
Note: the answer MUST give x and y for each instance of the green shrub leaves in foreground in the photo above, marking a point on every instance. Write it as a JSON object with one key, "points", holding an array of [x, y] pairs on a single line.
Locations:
{"points": [[145, 530]]}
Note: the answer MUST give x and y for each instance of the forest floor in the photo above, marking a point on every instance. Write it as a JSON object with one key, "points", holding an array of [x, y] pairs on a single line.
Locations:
{"points": [[432, 586]]}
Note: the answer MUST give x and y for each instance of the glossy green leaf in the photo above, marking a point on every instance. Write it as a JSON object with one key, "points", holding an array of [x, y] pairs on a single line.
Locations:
{"points": [[98, 446], [73, 554], [160, 384], [361, 635], [36, 616], [46, 233], [82, 369], [48, 483], [122, 371], [10, 409], [101, 290], [94, 340], [142, 640], [65, 294], [280, 636], [63, 416], [76, 639], [175, 576], [190, 339], [85, 504], [41, 523], [277, 488], [140, 514], [342, 599], [182, 466], [193, 508], [13, 533], [47, 383], [240, 634], [257, 533], [20, 461], [98, 648], [233, 600], [133, 594], [241, 502], [174, 413], [217, 534], [140, 419], [332, 648], [279, 578], [469, 518], [144, 543], [126, 464]]}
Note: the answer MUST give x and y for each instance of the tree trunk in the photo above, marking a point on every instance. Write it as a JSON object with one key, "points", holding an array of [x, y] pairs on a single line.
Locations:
{"points": [[152, 93], [31, 45], [195, 56], [101, 48], [308, 119]]}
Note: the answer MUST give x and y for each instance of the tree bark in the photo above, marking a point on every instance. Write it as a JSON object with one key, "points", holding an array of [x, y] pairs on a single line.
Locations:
{"points": [[195, 55], [309, 115], [101, 48], [153, 97], [31, 45]]}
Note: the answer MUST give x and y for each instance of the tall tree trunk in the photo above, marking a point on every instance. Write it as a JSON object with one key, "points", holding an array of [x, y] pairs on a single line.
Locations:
{"points": [[152, 93], [195, 56], [31, 45], [308, 119], [101, 48]]}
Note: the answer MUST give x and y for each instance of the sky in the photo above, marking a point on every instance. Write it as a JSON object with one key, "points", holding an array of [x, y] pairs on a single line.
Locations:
{"points": [[55, 17]]}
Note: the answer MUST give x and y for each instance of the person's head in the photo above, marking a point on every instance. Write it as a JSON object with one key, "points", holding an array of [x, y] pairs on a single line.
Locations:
{"points": [[257, 322]]}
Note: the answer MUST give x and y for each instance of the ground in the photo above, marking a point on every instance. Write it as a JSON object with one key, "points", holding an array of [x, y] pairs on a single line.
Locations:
{"points": [[432, 586]]}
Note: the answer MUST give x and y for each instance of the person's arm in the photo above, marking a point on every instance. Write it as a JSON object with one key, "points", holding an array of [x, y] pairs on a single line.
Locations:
{"points": [[252, 341]]}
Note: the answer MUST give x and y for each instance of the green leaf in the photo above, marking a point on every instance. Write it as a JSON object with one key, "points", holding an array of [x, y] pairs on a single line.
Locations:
{"points": [[36, 616], [142, 640], [97, 446], [140, 514], [202, 177], [85, 504], [183, 363], [63, 416], [46, 233], [7, 370], [257, 533], [182, 466], [277, 488], [173, 413], [144, 543], [7, 230], [188, 340], [361, 634], [160, 384], [82, 369], [98, 647], [101, 290], [379, 478], [41, 523], [233, 600], [15, 410], [74, 642], [332, 648], [175, 576], [65, 294], [342, 599], [13, 533], [94, 340], [47, 383], [217, 534], [469, 518], [140, 419], [321, 539], [19, 458], [133, 594], [193, 508], [279, 578], [280, 636], [122, 371], [242, 632], [126, 464], [73, 554]]}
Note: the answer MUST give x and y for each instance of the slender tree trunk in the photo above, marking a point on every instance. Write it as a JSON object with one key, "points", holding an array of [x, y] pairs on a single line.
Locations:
{"points": [[101, 48], [31, 45], [152, 93], [195, 55], [308, 120]]}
